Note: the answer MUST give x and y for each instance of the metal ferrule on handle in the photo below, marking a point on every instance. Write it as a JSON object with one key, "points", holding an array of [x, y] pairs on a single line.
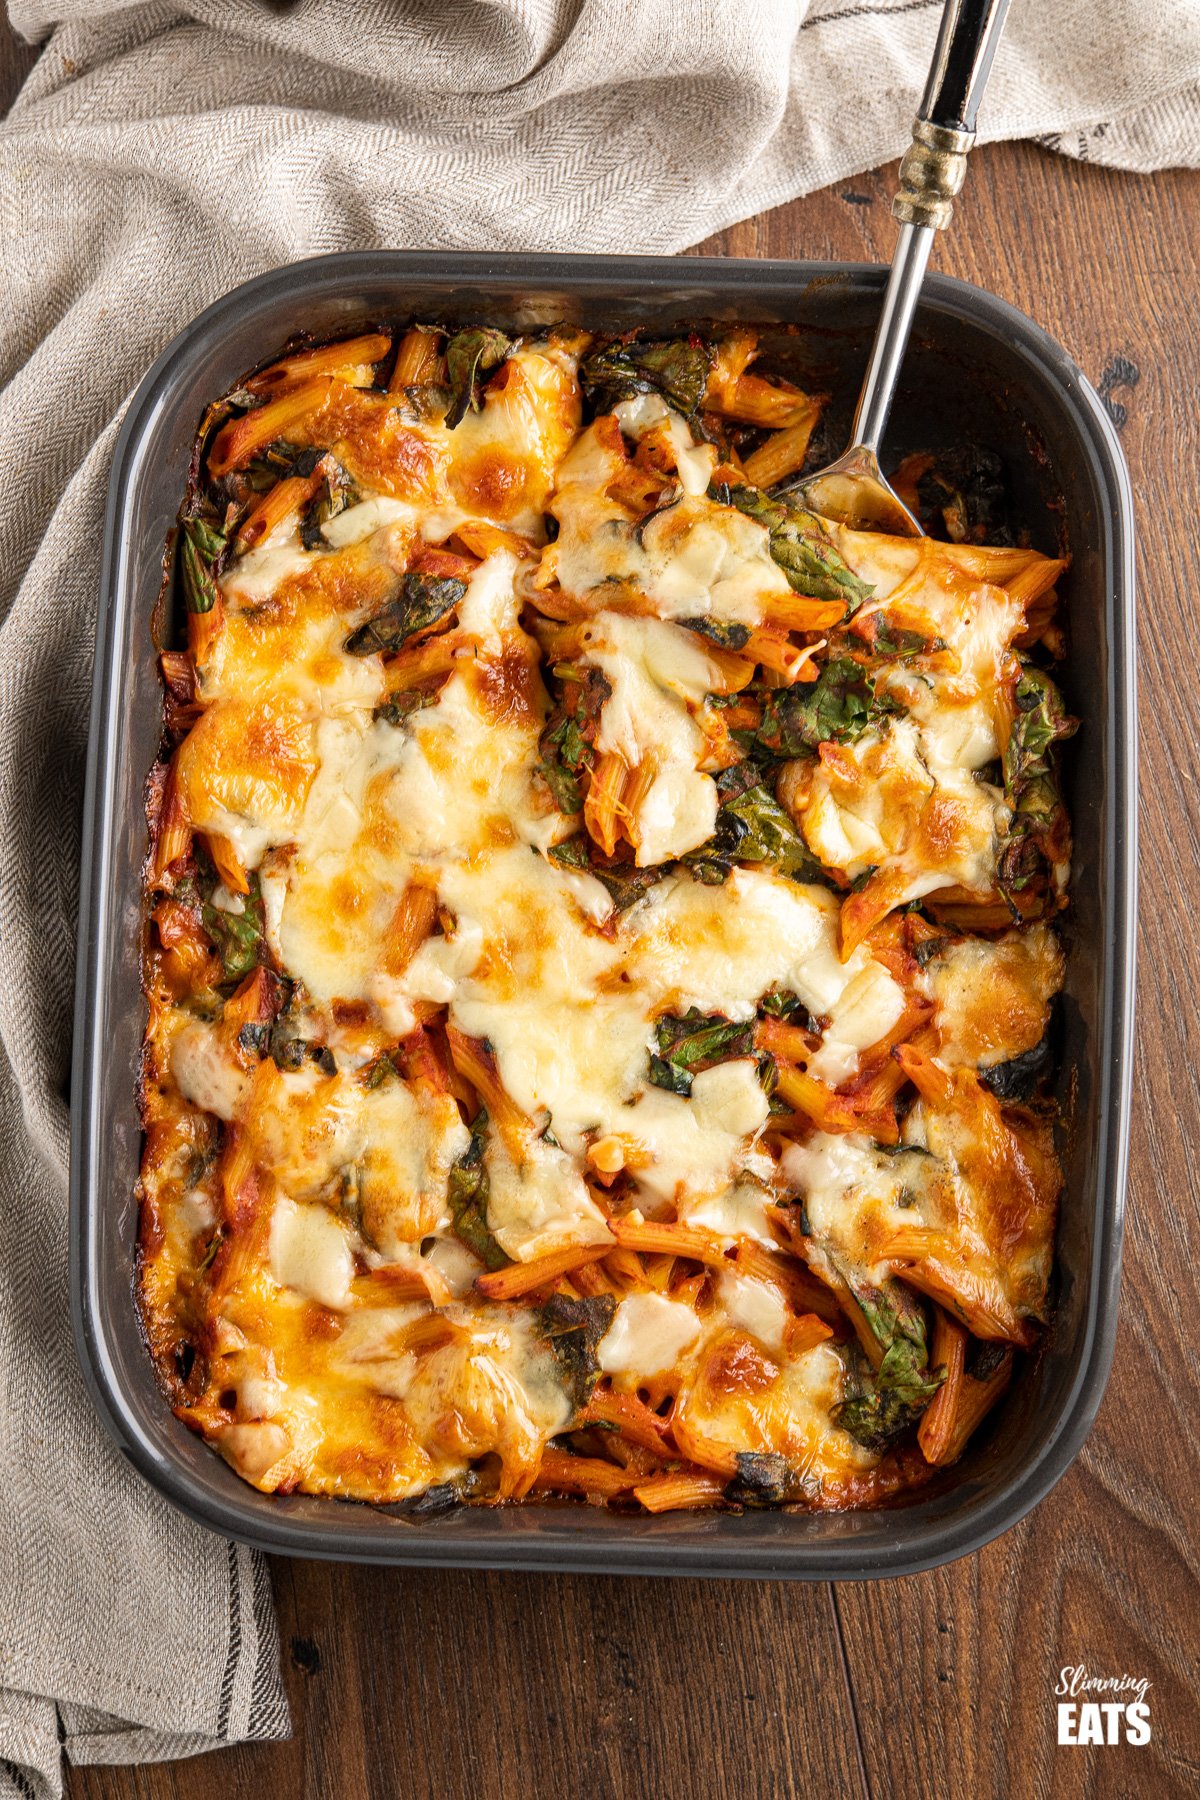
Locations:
{"points": [[935, 163], [932, 172]]}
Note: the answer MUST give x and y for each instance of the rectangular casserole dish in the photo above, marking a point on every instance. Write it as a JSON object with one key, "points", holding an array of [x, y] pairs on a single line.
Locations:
{"points": [[978, 370]]}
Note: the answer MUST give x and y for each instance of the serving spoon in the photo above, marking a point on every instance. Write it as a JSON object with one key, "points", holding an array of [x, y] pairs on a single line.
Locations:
{"points": [[853, 489]]}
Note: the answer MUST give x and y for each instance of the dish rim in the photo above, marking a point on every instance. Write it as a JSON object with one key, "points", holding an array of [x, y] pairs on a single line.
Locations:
{"points": [[908, 1548]]}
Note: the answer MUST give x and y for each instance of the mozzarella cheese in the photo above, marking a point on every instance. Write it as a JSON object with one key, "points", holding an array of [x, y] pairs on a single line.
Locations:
{"points": [[648, 1334], [318, 1212]]}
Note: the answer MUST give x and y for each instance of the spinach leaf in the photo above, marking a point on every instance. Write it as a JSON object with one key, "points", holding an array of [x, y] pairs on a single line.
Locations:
{"points": [[835, 708], [278, 460], [573, 1329], [895, 643], [201, 547], [566, 741], [237, 938], [1041, 721], [442, 1498], [1016, 1081], [467, 1191], [572, 853], [723, 632], [334, 495], [752, 827], [879, 1405], [781, 1003], [692, 1042], [403, 705], [800, 545], [678, 370], [469, 356], [421, 602], [963, 496], [558, 770], [626, 883], [1038, 830]]}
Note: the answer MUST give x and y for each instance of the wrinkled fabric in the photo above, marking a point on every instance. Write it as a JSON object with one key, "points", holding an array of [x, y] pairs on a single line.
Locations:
{"points": [[158, 154]]}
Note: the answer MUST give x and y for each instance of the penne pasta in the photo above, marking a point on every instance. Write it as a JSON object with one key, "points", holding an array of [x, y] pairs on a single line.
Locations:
{"points": [[241, 439], [560, 1472], [412, 922], [542, 1272], [647, 1236], [596, 994], [227, 862], [784, 451], [682, 1490], [417, 358], [352, 361], [935, 1433], [604, 811]]}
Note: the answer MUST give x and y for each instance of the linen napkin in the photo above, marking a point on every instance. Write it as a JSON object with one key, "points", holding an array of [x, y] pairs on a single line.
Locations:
{"points": [[160, 153]]}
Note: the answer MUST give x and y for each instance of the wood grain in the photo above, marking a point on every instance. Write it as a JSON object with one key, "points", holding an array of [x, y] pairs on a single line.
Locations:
{"points": [[453, 1685], [1104, 1573]]}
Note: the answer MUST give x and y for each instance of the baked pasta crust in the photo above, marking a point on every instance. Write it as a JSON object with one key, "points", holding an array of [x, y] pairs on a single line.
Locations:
{"points": [[599, 944]]}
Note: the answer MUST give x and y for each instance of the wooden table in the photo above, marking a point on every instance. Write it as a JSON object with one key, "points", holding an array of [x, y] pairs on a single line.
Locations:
{"points": [[452, 1685]]}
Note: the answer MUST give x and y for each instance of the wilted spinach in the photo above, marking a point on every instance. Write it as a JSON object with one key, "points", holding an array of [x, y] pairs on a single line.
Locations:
{"points": [[725, 633], [677, 369], [626, 883], [800, 545], [835, 708], [467, 1192], [752, 827], [963, 496], [880, 1404], [470, 355], [894, 643], [334, 495], [573, 1329], [1037, 831], [421, 602], [763, 1479], [201, 547], [237, 938], [565, 745], [693, 1041], [403, 705], [1016, 1081]]}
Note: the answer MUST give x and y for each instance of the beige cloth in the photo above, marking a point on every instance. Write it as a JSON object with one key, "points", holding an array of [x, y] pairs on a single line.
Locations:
{"points": [[158, 154]]}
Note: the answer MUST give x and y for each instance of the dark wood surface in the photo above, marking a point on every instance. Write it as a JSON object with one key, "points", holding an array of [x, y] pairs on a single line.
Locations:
{"points": [[452, 1685]]}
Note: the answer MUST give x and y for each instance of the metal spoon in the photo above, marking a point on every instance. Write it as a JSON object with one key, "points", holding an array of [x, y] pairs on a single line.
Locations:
{"points": [[853, 489]]}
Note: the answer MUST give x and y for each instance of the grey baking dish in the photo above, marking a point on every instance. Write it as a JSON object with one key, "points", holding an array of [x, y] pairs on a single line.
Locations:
{"points": [[977, 368]]}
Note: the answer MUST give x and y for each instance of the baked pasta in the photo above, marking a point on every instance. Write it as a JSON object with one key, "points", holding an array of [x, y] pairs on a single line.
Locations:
{"points": [[599, 942]]}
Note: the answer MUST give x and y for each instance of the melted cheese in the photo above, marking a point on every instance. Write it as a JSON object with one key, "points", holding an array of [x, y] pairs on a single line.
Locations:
{"points": [[739, 1211], [310, 1253], [852, 1195], [692, 559], [309, 1213], [205, 1072], [411, 1139], [993, 998], [648, 1334], [755, 1306], [890, 802], [659, 675], [539, 1202]]}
